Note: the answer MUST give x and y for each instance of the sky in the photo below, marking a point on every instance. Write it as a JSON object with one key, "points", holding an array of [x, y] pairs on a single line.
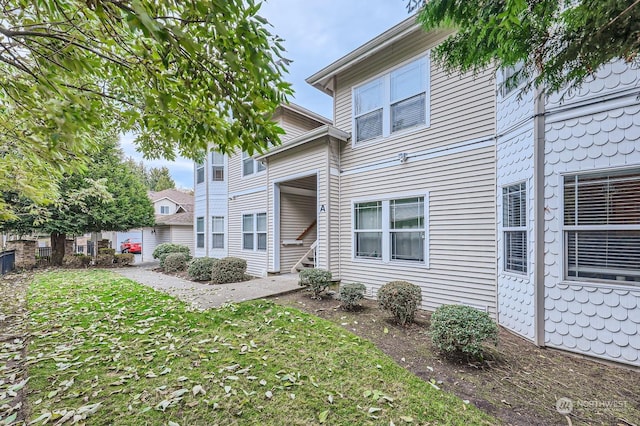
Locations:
{"points": [[316, 33]]}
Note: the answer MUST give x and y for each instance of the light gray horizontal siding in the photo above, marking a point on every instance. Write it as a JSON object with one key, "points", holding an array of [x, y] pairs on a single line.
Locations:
{"points": [[462, 230]]}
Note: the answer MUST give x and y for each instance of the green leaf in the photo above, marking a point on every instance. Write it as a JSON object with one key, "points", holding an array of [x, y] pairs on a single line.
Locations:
{"points": [[323, 416]]}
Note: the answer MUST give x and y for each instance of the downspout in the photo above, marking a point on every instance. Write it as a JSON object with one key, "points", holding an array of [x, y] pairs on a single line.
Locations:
{"points": [[207, 218], [539, 214]]}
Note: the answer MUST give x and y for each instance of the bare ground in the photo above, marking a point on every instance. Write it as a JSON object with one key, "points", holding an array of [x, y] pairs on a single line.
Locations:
{"points": [[519, 383]]}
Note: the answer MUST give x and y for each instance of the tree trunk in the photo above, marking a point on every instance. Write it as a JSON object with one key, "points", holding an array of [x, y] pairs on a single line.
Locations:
{"points": [[57, 248]]}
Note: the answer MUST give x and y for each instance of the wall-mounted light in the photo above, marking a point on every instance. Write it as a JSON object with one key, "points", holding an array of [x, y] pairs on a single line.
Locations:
{"points": [[403, 157]]}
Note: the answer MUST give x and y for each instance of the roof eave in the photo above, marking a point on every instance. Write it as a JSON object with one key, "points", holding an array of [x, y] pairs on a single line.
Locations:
{"points": [[308, 137], [322, 79]]}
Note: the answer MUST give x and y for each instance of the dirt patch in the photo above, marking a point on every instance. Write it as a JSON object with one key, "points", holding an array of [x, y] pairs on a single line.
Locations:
{"points": [[518, 383]]}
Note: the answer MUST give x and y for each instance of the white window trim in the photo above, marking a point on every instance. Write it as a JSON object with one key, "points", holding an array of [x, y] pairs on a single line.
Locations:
{"points": [[223, 165], [168, 209], [505, 229], [204, 173], [255, 231], [563, 278], [256, 172], [386, 234], [223, 233], [387, 135], [203, 233]]}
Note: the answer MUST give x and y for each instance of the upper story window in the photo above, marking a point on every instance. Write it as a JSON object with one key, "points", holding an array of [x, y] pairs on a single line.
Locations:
{"points": [[164, 209], [250, 166], [394, 102], [200, 173], [217, 166], [602, 227], [509, 82]]}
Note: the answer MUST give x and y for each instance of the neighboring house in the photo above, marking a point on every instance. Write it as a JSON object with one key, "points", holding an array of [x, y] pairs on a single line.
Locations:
{"points": [[568, 196], [174, 221], [431, 177]]}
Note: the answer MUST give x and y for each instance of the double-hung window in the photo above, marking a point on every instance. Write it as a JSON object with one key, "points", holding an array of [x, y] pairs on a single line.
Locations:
{"points": [[164, 209], [391, 230], [514, 227], [200, 173], [250, 166], [254, 231], [602, 226], [200, 232], [217, 166], [217, 232], [394, 102]]}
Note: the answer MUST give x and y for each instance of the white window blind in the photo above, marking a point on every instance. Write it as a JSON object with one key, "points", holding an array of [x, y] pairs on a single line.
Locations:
{"points": [[393, 102], [514, 225], [217, 232], [200, 232], [217, 166], [368, 229], [602, 226], [407, 229]]}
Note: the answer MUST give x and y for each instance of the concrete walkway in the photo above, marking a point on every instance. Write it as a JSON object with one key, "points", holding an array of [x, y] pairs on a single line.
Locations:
{"points": [[205, 296]]}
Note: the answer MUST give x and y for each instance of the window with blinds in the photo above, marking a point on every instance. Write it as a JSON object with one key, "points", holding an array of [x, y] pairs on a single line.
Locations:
{"points": [[514, 227], [217, 232], [602, 227], [200, 232], [217, 166], [393, 102]]}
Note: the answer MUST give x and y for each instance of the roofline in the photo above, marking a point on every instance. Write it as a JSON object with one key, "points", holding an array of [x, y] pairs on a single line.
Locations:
{"points": [[320, 79], [172, 200], [306, 112], [327, 130]]}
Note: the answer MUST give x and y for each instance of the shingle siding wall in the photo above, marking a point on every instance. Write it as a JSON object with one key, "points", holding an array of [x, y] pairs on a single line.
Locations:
{"points": [[602, 320], [514, 164]]}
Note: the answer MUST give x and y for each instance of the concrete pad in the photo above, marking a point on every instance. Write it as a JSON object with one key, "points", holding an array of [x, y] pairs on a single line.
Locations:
{"points": [[206, 296]]}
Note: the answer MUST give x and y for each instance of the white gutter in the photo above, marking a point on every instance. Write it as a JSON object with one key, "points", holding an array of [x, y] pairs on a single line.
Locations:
{"points": [[310, 136]]}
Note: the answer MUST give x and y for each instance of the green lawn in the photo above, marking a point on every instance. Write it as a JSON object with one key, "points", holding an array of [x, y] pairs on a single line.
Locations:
{"points": [[115, 352]]}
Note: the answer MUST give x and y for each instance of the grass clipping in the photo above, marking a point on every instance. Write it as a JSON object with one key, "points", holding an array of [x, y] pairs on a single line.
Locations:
{"points": [[111, 351]]}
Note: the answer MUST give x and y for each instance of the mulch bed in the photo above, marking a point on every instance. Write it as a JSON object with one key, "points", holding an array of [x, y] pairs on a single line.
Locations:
{"points": [[518, 382]]}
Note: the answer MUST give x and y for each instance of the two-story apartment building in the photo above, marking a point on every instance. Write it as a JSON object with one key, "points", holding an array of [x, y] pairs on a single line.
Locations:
{"points": [[446, 181]]}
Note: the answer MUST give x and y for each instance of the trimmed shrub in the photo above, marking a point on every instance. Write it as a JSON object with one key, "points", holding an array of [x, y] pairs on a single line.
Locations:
{"points": [[459, 330], [351, 294], [401, 299], [104, 260], [124, 258], [228, 270], [174, 262], [78, 260], [317, 280], [107, 250], [200, 268], [162, 250]]}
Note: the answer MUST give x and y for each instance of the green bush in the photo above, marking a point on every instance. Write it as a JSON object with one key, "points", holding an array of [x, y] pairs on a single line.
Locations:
{"points": [[124, 258], [107, 250], [351, 294], [200, 268], [104, 260], [174, 262], [77, 260], [459, 330], [228, 270], [162, 250], [401, 299], [317, 280]]}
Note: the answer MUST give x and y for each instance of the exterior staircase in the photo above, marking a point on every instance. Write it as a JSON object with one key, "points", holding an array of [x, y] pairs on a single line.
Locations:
{"points": [[308, 260]]}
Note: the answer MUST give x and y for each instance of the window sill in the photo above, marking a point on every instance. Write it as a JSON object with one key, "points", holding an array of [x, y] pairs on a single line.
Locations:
{"points": [[631, 286], [390, 138], [392, 263], [516, 275]]}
